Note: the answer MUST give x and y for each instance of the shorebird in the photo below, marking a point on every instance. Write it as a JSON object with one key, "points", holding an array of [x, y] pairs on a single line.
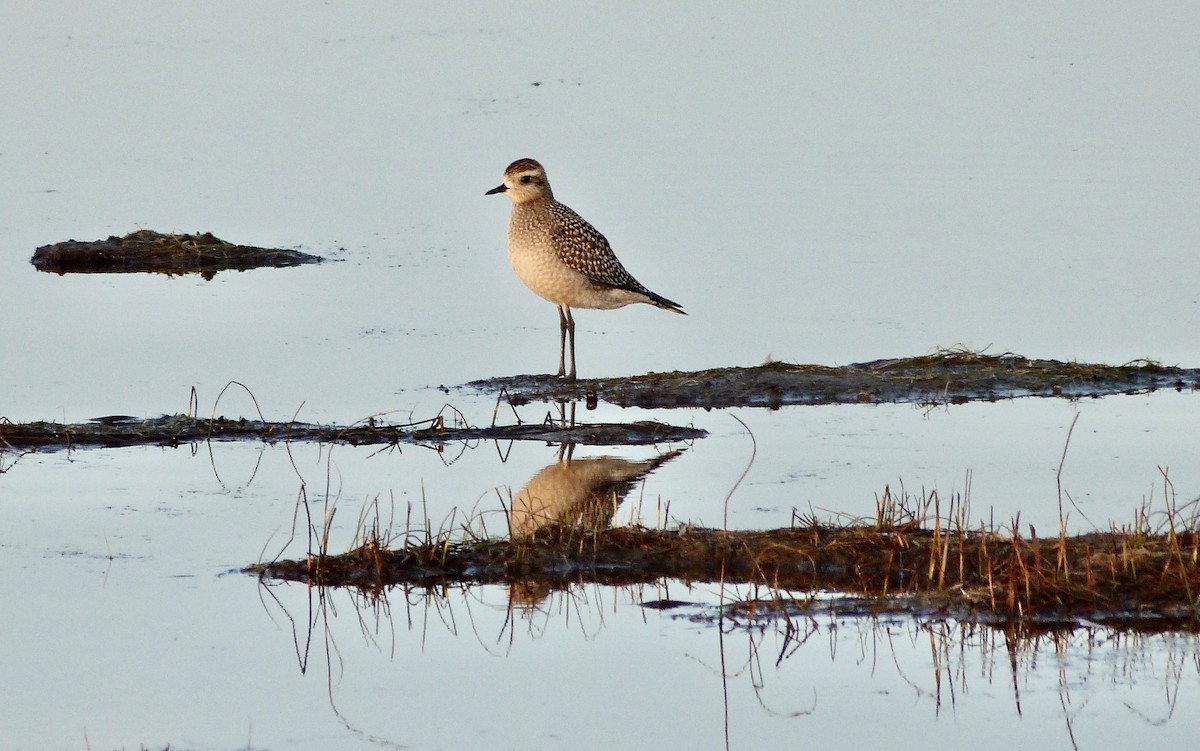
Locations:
{"points": [[562, 258]]}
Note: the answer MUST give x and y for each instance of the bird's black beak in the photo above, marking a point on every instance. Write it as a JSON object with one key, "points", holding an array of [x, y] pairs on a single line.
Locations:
{"points": [[497, 189]]}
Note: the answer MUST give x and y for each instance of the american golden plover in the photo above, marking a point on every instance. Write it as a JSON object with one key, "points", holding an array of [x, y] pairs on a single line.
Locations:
{"points": [[562, 258]]}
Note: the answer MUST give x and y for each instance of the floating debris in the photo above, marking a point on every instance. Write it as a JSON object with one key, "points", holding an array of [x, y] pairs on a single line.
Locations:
{"points": [[150, 251], [951, 377]]}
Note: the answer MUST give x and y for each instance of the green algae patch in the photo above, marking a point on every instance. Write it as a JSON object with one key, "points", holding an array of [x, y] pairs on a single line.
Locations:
{"points": [[150, 251], [174, 430], [948, 377]]}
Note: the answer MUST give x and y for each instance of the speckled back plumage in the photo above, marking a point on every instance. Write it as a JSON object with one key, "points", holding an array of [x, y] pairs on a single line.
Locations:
{"points": [[584, 249]]}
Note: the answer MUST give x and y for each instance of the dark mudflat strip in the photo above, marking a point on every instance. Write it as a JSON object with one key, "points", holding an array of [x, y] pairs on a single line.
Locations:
{"points": [[1174, 619], [1111, 578], [173, 430], [146, 250], [945, 377]]}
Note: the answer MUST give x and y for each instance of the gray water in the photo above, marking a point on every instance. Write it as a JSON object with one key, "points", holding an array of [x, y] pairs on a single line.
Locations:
{"points": [[813, 184]]}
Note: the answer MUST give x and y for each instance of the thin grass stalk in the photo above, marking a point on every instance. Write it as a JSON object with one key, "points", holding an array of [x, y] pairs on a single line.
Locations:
{"points": [[937, 531]]}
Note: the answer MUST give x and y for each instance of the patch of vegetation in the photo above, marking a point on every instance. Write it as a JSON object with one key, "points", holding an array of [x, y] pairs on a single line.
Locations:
{"points": [[899, 562]]}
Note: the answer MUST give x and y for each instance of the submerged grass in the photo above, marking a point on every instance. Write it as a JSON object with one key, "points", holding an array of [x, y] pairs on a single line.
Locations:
{"points": [[908, 558]]}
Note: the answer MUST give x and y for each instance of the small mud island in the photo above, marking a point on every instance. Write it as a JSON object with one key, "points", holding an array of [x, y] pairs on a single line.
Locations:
{"points": [[150, 251], [947, 377], [176, 430]]}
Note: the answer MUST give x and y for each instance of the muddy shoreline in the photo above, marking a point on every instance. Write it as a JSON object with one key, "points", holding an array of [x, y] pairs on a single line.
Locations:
{"points": [[176, 430], [941, 378]]}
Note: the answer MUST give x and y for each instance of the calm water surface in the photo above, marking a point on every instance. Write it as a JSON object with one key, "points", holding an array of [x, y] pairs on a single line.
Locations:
{"points": [[814, 184]]}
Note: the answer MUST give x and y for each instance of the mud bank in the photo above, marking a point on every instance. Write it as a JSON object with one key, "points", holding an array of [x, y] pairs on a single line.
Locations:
{"points": [[942, 378], [149, 251], [174, 430]]}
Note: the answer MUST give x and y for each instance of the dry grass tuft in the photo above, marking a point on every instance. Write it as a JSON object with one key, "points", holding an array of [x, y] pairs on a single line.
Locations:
{"points": [[906, 551]]}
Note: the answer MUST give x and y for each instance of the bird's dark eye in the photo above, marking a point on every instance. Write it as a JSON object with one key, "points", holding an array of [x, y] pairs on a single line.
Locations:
{"points": [[526, 179]]}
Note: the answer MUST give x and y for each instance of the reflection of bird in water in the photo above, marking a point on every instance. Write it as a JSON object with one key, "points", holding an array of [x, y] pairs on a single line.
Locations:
{"points": [[582, 493], [526, 594], [564, 259]]}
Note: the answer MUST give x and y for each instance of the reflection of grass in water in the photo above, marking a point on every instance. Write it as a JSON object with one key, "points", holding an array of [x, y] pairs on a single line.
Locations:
{"points": [[911, 557], [773, 657]]}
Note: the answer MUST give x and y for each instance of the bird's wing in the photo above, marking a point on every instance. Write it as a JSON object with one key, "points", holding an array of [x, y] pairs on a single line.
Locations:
{"points": [[583, 248]]}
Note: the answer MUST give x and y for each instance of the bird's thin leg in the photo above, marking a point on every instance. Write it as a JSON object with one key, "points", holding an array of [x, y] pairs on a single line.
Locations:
{"points": [[566, 415], [562, 342], [571, 338]]}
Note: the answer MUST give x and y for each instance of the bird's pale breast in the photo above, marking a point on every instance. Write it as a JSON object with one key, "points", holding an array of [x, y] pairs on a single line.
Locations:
{"points": [[535, 252]]}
